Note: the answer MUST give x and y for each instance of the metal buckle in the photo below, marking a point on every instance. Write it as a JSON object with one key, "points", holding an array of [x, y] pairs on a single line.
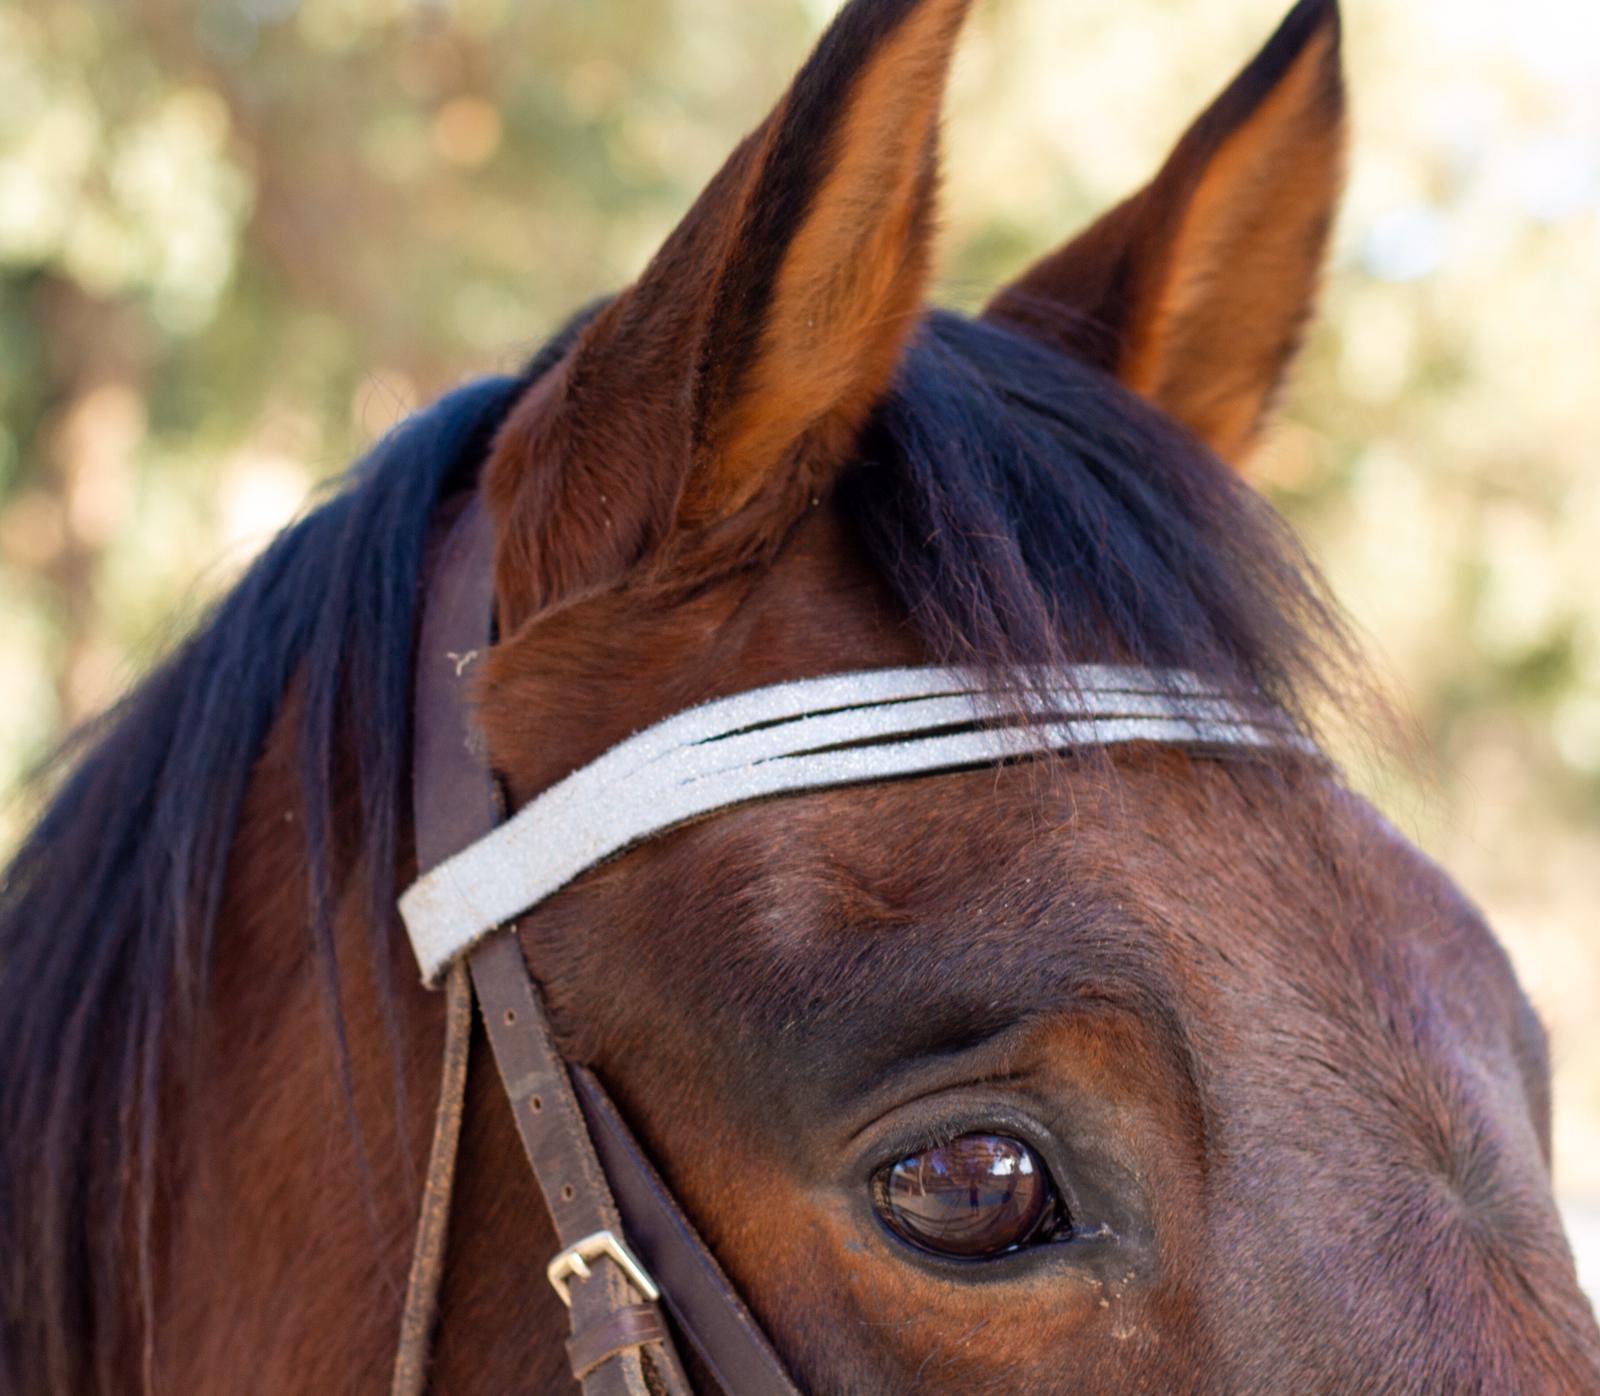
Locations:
{"points": [[575, 1261]]}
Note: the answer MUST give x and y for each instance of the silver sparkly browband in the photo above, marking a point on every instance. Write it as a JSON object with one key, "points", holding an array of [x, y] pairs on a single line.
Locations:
{"points": [[843, 729]]}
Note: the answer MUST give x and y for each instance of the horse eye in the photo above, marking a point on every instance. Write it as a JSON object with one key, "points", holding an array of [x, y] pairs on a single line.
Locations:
{"points": [[979, 1195]]}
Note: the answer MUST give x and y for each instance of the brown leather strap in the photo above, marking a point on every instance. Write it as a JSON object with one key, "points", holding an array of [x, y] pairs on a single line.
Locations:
{"points": [[620, 1345], [410, 1377], [444, 819], [631, 1327], [557, 1144], [453, 797], [456, 803], [707, 1309]]}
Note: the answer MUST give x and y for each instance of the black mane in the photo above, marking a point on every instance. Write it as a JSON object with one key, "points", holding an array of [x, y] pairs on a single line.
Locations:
{"points": [[109, 911], [1020, 505]]}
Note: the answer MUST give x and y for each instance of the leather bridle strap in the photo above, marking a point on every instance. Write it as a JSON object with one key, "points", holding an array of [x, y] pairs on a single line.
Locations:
{"points": [[621, 1345], [619, 1338], [457, 802], [723, 1331], [421, 1309]]}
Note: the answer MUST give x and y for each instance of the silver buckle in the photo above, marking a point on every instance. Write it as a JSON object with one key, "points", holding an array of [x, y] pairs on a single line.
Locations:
{"points": [[575, 1261]]}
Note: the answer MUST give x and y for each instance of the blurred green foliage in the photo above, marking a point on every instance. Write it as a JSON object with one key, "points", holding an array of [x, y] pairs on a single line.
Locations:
{"points": [[238, 238]]}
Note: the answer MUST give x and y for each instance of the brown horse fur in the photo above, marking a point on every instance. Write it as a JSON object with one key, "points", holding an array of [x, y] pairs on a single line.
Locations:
{"points": [[1254, 1034]]}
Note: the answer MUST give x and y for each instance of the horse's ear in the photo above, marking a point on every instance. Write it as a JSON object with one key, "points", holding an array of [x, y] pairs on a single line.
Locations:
{"points": [[709, 402], [1195, 292]]}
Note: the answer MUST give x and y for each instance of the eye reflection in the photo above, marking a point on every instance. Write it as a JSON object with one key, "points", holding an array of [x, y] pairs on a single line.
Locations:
{"points": [[979, 1195]]}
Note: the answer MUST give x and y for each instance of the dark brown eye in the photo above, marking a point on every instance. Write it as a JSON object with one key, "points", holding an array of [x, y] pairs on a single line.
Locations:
{"points": [[979, 1195]]}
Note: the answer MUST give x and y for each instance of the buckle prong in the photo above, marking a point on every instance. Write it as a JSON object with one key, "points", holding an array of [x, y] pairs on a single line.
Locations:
{"points": [[575, 1261]]}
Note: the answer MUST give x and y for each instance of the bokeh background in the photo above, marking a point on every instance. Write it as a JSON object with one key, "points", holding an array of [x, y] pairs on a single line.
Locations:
{"points": [[239, 238]]}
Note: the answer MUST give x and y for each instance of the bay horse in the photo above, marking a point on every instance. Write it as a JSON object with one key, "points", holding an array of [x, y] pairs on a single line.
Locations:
{"points": [[1269, 1109]]}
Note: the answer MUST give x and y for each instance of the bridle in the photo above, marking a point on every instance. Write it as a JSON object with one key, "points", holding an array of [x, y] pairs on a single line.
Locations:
{"points": [[629, 1257], [627, 1250]]}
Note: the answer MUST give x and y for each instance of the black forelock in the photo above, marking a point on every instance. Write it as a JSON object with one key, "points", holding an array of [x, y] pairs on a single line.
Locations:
{"points": [[1026, 508]]}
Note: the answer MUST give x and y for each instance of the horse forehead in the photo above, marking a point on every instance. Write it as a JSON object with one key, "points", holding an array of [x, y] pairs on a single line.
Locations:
{"points": [[1171, 859], [832, 923], [1233, 909]]}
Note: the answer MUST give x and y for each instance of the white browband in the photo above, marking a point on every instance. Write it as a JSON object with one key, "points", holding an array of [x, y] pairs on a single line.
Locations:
{"points": [[843, 729]]}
